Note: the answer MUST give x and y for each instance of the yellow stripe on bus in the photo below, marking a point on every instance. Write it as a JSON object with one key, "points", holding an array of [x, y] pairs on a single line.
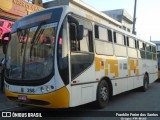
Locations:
{"points": [[133, 67], [110, 64]]}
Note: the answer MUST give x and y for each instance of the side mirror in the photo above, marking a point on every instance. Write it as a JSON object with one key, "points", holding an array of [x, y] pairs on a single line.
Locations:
{"points": [[76, 30], [73, 31], [80, 32], [5, 39]]}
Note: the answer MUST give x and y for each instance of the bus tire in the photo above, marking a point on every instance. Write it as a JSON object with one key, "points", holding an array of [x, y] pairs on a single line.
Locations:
{"points": [[102, 94], [145, 83]]}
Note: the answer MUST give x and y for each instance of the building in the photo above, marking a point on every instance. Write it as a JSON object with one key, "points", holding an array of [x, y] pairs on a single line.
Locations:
{"points": [[36, 2], [10, 11], [123, 17]]}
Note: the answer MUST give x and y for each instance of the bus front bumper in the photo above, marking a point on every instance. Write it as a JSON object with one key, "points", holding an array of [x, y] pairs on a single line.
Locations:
{"points": [[56, 99]]}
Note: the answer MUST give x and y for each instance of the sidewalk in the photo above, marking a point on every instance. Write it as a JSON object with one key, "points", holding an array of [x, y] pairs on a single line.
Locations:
{"points": [[5, 103]]}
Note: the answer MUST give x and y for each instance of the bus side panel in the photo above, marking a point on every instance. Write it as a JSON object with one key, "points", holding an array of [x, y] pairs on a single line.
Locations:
{"points": [[83, 87], [115, 68], [154, 72], [149, 67]]}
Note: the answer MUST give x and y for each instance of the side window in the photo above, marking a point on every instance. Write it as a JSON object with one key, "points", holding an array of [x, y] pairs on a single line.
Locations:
{"points": [[132, 52], [104, 42], [115, 39], [86, 43], [109, 35], [144, 46], [132, 42], [141, 45], [103, 34], [137, 44], [127, 41], [148, 47], [96, 31], [142, 50], [148, 51], [119, 47], [120, 38], [154, 49], [154, 53], [82, 55]]}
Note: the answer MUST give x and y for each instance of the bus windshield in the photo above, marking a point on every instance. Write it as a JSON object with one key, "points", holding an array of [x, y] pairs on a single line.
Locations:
{"points": [[30, 52]]}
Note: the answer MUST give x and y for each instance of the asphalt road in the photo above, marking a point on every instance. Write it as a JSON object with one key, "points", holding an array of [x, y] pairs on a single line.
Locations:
{"points": [[130, 102]]}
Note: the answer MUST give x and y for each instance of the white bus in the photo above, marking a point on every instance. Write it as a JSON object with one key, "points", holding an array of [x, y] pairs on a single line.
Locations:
{"points": [[59, 58]]}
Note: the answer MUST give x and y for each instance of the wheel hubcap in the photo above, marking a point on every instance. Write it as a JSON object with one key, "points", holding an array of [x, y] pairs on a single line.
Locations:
{"points": [[104, 93]]}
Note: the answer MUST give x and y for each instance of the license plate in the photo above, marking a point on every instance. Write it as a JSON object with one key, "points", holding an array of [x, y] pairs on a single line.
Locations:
{"points": [[22, 97]]}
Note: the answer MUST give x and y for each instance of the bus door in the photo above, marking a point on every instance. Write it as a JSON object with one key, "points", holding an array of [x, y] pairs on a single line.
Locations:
{"points": [[82, 69]]}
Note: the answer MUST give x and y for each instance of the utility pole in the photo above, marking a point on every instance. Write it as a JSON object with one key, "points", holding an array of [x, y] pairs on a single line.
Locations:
{"points": [[134, 18]]}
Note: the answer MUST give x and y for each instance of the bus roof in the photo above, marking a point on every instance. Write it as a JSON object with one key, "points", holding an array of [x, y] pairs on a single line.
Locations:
{"points": [[90, 9], [96, 12]]}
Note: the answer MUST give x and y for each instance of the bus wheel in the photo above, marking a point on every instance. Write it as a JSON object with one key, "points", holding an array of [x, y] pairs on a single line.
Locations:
{"points": [[102, 94], [145, 83]]}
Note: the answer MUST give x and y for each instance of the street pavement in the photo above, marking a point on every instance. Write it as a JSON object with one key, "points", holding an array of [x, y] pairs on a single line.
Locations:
{"points": [[5, 103], [134, 100], [116, 104]]}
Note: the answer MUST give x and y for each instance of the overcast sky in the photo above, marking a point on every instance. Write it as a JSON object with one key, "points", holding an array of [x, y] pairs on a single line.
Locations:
{"points": [[148, 14]]}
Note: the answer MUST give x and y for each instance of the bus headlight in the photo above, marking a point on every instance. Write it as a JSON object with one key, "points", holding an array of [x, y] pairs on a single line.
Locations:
{"points": [[42, 90], [47, 88]]}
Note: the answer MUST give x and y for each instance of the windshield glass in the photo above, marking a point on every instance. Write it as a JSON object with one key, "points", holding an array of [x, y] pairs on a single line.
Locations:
{"points": [[30, 53]]}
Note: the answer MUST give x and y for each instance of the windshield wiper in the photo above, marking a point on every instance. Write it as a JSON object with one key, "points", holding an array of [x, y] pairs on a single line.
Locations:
{"points": [[35, 36], [23, 36]]}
